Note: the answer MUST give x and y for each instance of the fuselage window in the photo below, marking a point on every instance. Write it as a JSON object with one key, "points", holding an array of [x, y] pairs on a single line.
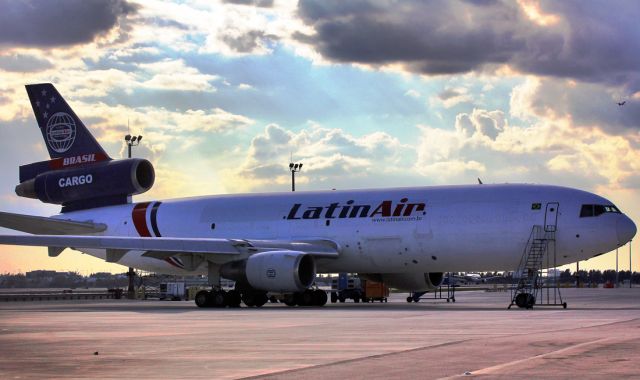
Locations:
{"points": [[596, 210]]}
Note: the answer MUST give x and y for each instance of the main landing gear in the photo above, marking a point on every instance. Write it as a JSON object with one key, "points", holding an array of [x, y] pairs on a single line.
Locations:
{"points": [[218, 298], [255, 298], [309, 297]]}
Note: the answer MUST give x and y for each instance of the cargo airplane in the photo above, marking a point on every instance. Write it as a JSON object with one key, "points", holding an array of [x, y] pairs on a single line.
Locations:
{"points": [[277, 242]]}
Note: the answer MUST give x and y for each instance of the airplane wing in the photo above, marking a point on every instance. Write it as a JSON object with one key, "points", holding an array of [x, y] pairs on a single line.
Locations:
{"points": [[40, 225], [164, 247]]}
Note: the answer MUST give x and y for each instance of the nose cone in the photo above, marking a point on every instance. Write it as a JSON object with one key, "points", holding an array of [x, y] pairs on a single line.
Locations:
{"points": [[625, 229]]}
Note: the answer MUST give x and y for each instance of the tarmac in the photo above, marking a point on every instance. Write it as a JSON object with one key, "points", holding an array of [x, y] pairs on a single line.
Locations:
{"points": [[597, 336]]}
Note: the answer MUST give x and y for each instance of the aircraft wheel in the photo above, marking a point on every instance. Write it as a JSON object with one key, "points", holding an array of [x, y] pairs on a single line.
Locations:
{"points": [[261, 299], [334, 297], [409, 299], [233, 298], [217, 298], [202, 298], [249, 299], [319, 297], [289, 300], [305, 298]]}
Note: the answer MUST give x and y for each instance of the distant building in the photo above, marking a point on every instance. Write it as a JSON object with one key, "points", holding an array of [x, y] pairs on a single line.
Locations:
{"points": [[41, 274]]}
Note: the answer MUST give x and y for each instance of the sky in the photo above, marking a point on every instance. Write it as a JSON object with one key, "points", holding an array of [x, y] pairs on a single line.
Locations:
{"points": [[363, 93]]}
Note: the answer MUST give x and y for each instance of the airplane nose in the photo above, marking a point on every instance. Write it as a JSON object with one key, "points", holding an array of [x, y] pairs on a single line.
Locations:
{"points": [[625, 229]]}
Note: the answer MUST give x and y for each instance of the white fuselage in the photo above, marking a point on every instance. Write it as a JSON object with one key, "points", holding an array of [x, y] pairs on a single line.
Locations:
{"points": [[403, 230]]}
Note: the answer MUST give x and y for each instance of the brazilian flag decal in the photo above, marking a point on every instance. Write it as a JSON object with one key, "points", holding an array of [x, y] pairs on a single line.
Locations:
{"points": [[536, 206]]}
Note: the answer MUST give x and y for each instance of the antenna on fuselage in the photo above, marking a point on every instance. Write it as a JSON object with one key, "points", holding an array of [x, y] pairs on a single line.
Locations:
{"points": [[480, 181]]}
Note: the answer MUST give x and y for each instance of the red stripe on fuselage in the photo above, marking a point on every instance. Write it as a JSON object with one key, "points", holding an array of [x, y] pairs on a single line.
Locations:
{"points": [[139, 216]]}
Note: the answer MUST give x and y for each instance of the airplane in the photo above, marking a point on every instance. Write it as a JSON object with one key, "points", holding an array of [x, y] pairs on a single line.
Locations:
{"points": [[278, 242]]}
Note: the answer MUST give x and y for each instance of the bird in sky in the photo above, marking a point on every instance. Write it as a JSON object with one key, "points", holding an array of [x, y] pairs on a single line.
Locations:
{"points": [[621, 103]]}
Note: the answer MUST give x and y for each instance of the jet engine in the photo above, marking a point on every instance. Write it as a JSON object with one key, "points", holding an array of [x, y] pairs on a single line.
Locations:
{"points": [[275, 271], [108, 180], [412, 282]]}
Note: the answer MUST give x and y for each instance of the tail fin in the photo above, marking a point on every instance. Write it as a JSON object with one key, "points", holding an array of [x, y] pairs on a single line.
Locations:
{"points": [[64, 133]]}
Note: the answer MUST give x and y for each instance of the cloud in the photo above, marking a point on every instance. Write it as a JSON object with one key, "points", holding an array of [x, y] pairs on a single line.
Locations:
{"points": [[247, 42], [59, 23], [328, 155], [451, 97], [481, 123], [441, 155], [589, 41], [23, 63], [255, 3], [176, 75], [427, 37], [588, 104]]}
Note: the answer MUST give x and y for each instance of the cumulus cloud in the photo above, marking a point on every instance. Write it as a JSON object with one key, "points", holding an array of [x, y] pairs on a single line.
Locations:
{"points": [[588, 104], [590, 41], [547, 149], [59, 23], [327, 154]]}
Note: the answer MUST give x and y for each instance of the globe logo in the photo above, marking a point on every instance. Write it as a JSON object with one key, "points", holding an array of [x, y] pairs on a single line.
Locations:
{"points": [[61, 132]]}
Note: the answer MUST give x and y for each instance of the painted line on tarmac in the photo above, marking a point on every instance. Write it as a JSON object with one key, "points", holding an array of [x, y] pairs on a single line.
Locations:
{"points": [[496, 368]]}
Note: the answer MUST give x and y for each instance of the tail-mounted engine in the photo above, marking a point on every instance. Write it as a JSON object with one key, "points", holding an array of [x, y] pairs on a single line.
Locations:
{"points": [[86, 186]]}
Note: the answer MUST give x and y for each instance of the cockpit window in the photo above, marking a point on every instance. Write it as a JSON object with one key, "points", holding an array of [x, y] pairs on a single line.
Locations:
{"points": [[596, 210]]}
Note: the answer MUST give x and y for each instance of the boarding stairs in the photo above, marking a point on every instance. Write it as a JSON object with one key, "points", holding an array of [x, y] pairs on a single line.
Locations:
{"points": [[533, 282]]}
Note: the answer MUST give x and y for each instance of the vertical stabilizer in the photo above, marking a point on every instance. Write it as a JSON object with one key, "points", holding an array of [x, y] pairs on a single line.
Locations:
{"points": [[64, 133]]}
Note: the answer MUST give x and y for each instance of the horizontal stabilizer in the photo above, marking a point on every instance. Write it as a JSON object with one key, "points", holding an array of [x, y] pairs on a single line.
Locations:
{"points": [[40, 225]]}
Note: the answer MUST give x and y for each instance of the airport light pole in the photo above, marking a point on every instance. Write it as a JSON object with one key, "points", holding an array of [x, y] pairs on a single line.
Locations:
{"points": [[131, 141], [294, 168]]}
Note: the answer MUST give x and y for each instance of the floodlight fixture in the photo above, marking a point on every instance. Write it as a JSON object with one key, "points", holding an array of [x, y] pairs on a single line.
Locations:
{"points": [[294, 168]]}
